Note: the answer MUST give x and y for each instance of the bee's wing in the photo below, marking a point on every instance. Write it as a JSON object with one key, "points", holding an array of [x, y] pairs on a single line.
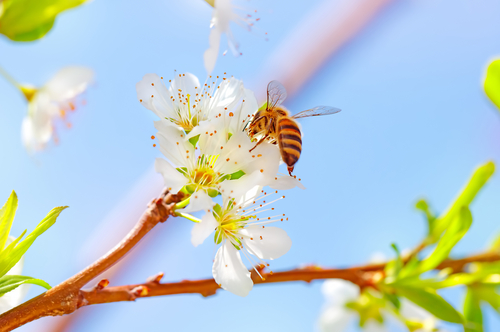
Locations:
{"points": [[276, 94], [316, 111]]}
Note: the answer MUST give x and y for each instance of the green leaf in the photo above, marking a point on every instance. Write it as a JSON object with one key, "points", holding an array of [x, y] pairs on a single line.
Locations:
{"points": [[28, 20], [488, 293], [492, 82], [477, 181], [11, 282], [7, 213], [472, 312], [11, 255], [455, 232], [429, 300], [423, 206]]}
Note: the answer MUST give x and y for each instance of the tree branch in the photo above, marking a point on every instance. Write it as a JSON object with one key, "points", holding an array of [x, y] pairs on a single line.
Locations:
{"points": [[67, 297], [362, 276]]}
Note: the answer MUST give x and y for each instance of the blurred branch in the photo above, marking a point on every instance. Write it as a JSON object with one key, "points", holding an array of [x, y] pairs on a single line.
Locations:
{"points": [[67, 297]]}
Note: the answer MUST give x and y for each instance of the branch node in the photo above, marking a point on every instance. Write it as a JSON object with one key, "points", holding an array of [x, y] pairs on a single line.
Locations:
{"points": [[101, 284], [138, 291], [156, 278]]}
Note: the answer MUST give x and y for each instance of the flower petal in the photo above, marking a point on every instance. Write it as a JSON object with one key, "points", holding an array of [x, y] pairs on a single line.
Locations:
{"points": [[185, 84], [338, 291], [203, 229], [335, 319], [229, 272], [154, 95], [69, 82], [174, 145], [174, 181], [199, 201], [285, 182], [37, 128], [210, 55], [266, 242]]}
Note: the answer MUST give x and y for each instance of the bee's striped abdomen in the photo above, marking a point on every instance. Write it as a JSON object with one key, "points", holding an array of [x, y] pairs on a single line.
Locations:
{"points": [[290, 141]]}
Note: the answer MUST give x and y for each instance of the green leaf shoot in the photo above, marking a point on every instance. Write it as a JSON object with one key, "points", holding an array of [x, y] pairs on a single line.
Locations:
{"points": [[458, 228], [492, 82], [465, 198], [7, 213], [13, 253], [28, 20], [472, 312], [10, 282], [429, 300]]}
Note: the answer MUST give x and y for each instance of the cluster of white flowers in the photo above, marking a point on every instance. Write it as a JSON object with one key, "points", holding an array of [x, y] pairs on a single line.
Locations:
{"points": [[201, 133]]}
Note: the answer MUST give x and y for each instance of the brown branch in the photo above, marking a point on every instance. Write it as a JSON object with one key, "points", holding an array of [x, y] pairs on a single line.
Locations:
{"points": [[362, 276], [67, 297]]}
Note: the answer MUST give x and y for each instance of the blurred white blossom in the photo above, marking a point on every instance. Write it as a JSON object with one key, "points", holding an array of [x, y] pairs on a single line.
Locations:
{"points": [[338, 315], [223, 14], [50, 103]]}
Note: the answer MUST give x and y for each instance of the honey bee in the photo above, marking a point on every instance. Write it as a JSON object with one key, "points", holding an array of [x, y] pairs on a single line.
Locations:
{"points": [[276, 125]]}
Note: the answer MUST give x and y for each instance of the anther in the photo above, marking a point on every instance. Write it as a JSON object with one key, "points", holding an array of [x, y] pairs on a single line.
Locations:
{"points": [[152, 137], [152, 84]]}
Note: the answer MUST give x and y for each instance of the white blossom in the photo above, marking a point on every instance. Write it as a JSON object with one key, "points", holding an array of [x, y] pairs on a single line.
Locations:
{"points": [[208, 168], [242, 231], [50, 103], [186, 102]]}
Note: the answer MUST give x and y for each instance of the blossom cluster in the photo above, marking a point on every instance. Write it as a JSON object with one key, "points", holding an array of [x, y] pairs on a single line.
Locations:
{"points": [[211, 158]]}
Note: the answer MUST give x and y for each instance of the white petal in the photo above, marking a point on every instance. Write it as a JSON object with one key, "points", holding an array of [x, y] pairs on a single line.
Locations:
{"points": [[267, 242], [284, 183], [174, 180], [37, 128], [199, 201], [174, 145], [203, 229], [335, 319], [69, 82], [155, 96], [374, 326], [229, 272], [338, 291], [239, 188], [187, 83], [210, 55]]}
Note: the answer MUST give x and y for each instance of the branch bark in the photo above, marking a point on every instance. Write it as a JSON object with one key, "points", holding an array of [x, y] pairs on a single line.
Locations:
{"points": [[67, 297]]}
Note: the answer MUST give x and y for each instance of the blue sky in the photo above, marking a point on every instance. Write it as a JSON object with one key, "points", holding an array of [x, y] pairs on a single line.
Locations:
{"points": [[415, 123]]}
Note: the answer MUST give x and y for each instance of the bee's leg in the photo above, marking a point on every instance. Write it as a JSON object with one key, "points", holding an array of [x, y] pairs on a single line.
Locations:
{"points": [[266, 136], [290, 170], [260, 141]]}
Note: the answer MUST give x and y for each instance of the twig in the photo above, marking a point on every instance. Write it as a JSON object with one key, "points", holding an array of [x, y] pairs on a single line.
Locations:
{"points": [[361, 276], [67, 297]]}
